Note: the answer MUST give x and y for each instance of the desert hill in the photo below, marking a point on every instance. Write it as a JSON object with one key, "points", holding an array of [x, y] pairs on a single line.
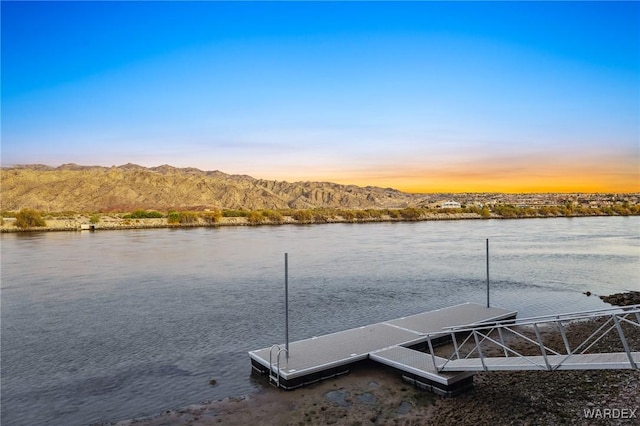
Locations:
{"points": [[72, 187]]}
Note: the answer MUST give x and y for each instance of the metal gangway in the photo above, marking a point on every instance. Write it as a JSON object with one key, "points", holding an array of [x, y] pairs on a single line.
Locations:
{"points": [[545, 343]]}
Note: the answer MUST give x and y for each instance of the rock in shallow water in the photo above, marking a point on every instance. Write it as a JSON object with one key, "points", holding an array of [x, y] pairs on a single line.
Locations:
{"points": [[367, 399], [404, 408], [338, 397]]}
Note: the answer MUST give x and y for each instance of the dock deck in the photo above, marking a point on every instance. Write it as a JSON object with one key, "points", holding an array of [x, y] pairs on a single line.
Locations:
{"points": [[325, 356]]}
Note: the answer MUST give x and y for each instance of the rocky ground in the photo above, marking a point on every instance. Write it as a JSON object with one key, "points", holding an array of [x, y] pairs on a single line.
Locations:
{"points": [[623, 299], [372, 394]]}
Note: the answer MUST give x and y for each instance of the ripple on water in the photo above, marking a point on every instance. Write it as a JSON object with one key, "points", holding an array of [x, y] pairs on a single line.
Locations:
{"points": [[114, 325]]}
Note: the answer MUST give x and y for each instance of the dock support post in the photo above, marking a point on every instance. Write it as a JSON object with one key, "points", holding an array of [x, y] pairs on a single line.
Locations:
{"points": [[487, 272], [286, 303]]}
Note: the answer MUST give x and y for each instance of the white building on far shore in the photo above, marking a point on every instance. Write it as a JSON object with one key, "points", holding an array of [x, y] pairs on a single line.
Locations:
{"points": [[450, 205]]}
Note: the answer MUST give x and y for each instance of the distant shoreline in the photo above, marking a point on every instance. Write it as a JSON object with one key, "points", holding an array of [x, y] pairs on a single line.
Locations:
{"points": [[102, 222]]}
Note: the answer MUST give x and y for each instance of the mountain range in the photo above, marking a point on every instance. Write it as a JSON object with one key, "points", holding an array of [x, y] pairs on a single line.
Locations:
{"points": [[73, 187]]}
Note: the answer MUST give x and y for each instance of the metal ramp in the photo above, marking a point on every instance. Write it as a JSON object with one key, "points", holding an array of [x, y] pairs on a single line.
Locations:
{"points": [[544, 343], [603, 361]]}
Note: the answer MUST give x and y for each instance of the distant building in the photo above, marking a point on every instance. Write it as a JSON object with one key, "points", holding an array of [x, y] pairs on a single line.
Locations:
{"points": [[450, 205]]}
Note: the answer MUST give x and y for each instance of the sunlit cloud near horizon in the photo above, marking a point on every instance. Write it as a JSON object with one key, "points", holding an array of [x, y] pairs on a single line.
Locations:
{"points": [[418, 96]]}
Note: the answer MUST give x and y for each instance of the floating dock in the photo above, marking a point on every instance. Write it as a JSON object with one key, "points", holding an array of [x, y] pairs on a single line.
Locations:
{"points": [[396, 343]]}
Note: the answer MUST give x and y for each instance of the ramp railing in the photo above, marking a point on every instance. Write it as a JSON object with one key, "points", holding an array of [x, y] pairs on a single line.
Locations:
{"points": [[546, 342]]}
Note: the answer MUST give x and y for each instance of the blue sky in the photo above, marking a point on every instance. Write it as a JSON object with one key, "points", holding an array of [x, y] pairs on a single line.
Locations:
{"points": [[421, 96]]}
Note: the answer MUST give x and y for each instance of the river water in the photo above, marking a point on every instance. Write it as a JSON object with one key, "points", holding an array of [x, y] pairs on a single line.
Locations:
{"points": [[111, 325]]}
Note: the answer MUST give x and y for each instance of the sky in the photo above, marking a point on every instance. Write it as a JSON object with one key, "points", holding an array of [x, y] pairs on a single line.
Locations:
{"points": [[418, 96]]}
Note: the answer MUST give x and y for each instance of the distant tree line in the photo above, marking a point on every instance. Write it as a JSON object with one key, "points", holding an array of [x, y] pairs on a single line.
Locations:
{"points": [[29, 218]]}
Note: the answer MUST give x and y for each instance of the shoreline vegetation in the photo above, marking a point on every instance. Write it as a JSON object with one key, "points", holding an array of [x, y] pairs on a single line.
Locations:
{"points": [[29, 220]]}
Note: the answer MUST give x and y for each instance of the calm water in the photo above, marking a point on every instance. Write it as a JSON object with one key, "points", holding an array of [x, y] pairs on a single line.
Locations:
{"points": [[112, 325]]}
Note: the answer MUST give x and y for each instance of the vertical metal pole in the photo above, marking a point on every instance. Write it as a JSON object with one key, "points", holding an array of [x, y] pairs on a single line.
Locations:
{"points": [[564, 336], [504, 347], [286, 302], [623, 339], [455, 345], [475, 337], [433, 355], [542, 348], [487, 272]]}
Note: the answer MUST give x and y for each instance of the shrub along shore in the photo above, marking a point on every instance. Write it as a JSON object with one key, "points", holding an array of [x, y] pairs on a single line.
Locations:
{"points": [[32, 220]]}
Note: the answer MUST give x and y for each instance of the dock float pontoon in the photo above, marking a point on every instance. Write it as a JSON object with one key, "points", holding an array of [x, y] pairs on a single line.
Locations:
{"points": [[395, 343]]}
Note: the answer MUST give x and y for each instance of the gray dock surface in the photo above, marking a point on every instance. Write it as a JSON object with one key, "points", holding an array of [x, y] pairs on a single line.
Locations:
{"points": [[324, 353]]}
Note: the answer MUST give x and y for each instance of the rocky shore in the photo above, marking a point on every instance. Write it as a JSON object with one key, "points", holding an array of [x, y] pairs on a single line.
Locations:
{"points": [[372, 394], [623, 299]]}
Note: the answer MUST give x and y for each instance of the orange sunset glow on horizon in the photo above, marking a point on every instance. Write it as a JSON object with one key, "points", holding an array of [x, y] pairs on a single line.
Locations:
{"points": [[534, 174], [515, 184]]}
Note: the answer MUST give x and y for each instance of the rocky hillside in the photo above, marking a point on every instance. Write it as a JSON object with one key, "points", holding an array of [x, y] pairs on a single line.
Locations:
{"points": [[128, 187]]}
